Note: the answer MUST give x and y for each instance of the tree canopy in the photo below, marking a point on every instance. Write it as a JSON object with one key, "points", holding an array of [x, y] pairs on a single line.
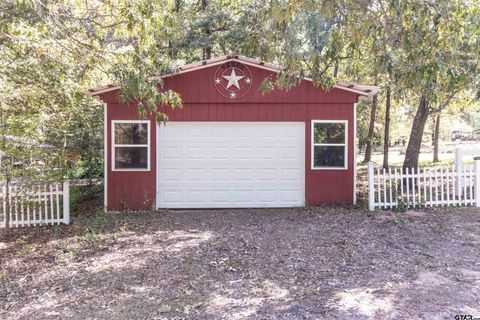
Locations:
{"points": [[51, 52]]}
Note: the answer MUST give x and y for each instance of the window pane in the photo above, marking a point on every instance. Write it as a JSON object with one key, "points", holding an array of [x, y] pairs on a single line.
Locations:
{"points": [[329, 132], [131, 133], [329, 156], [131, 158]]}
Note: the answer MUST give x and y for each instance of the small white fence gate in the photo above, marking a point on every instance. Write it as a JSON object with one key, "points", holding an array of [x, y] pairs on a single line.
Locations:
{"points": [[460, 154], [423, 187], [40, 204]]}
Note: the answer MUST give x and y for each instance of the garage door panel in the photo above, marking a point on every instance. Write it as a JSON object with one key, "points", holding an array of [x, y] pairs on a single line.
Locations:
{"points": [[172, 133], [242, 132], [196, 131], [172, 196], [267, 174], [269, 153], [198, 196], [219, 153], [177, 175], [290, 153], [290, 195], [172, 174], [220, 196], [220, 131], [290, 174], [236, 164], [172, 153], [220, 174], [268, 196], [199, 174]]}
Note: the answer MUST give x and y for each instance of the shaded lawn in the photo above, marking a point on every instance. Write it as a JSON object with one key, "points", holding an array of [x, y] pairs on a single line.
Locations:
{"points": [[330, 262]]}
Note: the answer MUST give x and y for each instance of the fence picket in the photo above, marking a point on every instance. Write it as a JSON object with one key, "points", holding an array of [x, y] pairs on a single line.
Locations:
{"points": [[45, 205], [413, 186], [407, 180], [58, 204], [39, 205], [396, 186], [401, 185], [51, 204], [464, 177], [467, 183], [419, 187], [431, 181], [471, 178], [447, 178], [4, 205], [34, 205], [10, 214], [27, 194], [441, 185], [384, 189], [454, 185], [390, 187], [12, 207], [423, 186], [454, 175], [378, 188], [22, 210]]}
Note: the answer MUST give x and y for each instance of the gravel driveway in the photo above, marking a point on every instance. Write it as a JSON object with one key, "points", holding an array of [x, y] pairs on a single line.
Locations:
{"points": [[311, 263]]}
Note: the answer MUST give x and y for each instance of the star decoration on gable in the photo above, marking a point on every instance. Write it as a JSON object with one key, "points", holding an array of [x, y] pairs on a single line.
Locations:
{"points": [[233, 80]]}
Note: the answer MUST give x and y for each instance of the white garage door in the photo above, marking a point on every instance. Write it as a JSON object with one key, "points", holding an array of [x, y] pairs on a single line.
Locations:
{"points": [[230, 164]]}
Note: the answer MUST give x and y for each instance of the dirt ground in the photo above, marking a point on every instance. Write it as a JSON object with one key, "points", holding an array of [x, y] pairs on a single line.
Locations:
{"points": [[312, 263]]}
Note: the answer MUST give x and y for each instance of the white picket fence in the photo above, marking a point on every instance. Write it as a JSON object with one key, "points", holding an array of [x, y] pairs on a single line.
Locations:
{"points": [[423, 187], [40, 204]]}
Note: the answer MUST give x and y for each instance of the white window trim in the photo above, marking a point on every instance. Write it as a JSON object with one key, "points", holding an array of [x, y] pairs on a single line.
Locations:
{"points": [[312, 145], [131, 145]]}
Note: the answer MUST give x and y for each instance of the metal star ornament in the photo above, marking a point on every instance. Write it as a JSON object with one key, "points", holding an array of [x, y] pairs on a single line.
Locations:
{"points": [[233, 79]]}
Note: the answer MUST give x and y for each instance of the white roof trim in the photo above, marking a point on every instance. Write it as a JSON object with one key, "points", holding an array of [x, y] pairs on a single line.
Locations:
{"points": [[362, 90]]}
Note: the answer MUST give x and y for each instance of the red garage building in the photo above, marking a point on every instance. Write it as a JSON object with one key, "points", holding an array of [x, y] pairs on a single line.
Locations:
{"points": [[232, 146]]}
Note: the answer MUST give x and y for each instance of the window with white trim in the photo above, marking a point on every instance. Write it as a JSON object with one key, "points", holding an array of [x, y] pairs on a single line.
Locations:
{"points": [[131, 145], [329, 144]]}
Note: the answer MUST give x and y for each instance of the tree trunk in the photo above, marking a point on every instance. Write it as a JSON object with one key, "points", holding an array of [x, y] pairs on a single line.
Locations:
{"points": [[335, 70], [436, 138], [371, 130], [207, 51], [416, 134], [386, 135]]}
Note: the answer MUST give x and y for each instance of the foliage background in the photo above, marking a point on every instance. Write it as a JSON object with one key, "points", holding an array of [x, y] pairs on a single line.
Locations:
{"points": [[426, 53]]}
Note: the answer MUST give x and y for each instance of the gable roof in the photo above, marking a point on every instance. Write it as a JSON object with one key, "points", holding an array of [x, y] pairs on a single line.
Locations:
{"points": [[363, 91]]}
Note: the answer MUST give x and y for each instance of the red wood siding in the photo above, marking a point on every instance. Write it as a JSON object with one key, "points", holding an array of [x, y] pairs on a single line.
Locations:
{"points": [[129, 189], [203, 103]]}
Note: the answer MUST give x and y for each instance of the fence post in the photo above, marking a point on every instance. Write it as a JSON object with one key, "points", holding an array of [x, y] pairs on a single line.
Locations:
{"points": [[477, 181], [458, 170], [6, 206], [66, 203], [371, 188]]}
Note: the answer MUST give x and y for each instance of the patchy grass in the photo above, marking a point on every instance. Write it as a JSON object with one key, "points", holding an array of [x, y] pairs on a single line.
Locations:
{"points": [[3, 276], [329, 262]]}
